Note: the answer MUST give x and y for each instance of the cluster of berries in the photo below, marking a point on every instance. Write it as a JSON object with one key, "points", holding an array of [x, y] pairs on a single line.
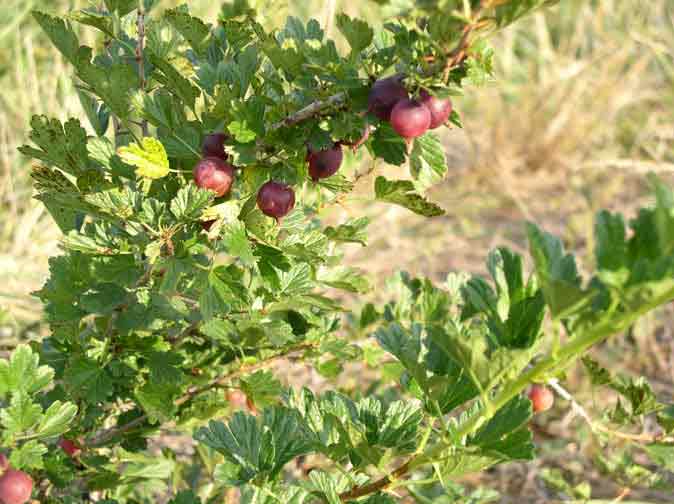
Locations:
{"points": [[409, 117], [388, 100]]}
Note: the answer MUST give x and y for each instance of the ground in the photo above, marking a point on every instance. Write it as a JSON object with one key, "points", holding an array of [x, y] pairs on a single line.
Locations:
{"points": [[581, 110]]}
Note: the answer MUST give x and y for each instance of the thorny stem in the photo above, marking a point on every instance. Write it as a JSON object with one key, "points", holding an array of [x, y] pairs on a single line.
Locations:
{"points": [[578, 409], [546, 367], [140, 60], [106, 435]]}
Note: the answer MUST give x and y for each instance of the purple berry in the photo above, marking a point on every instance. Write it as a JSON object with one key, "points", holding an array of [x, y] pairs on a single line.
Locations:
{"points": [[275, 199], [385, 93], [214, 174], [206, 225], [214, 146], [440, 108], [325, 163], [410, 118]]}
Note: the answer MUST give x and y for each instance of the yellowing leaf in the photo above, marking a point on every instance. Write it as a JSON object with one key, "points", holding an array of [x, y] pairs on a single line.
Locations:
{"points": [[149, 158]]}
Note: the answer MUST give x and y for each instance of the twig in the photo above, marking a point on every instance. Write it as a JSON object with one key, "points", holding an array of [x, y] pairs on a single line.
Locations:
{"points": [[309, 111], [454, 58], [140, 60], [106, 435], [376, 486], [596, 426]]}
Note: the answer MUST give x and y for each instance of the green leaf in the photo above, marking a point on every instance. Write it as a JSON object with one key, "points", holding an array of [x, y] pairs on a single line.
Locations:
{"points": [[636, 390], [277, 332], [557, 273], [507, 433], [164, 368], [147, 467], [402, 192], [256, 447], [174, 81], [330, 485], [241, 131], [662, 454], [61, 197], [405, 346], [400, 424], [86, 379], [60, 33], [611, 247], [122, 7], [357, 32], [193, 29], [189, 203], [666, 418], [57, 419], [236, 242], [469, 347], [344, 278], [289, 494], [427, 161], [223, 291], [20, 416], [149, 158], [352, 231], [28, 456], [388, 145], [185, 497], [103, 298], [113, 83], [297, 280], [509, 12], [22, 373], [262, 388], [60, 145], [157, 400], [99, 118], [99, 20]]}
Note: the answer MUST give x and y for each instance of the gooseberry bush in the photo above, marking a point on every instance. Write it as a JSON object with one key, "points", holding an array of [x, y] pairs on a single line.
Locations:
{"points": [[195, 261]]}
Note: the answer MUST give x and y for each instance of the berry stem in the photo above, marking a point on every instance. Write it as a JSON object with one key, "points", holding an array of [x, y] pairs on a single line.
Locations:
{"points": [[106, 435]]}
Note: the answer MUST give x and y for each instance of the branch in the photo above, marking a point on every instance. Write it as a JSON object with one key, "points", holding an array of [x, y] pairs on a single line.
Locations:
{"points": [[454, 58], [309, 111], [547, 366], [140, 46], [596, 426], [106, 435]]}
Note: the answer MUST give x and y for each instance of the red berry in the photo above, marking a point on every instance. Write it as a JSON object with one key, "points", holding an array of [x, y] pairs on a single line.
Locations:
{"points": [[541, 398], [16, 487], [70, 447], [385, 93], [410, 118], [237, 399], [214, 146], [275, 199], [440, 108], [214, 174], [325, 163]]}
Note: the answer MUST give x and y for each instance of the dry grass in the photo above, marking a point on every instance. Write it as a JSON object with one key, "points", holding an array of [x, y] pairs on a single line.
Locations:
{"points": [[583, 108]]}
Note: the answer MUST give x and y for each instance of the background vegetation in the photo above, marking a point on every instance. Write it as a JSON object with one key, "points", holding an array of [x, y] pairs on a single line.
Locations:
{"points": [[584, 107]]}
